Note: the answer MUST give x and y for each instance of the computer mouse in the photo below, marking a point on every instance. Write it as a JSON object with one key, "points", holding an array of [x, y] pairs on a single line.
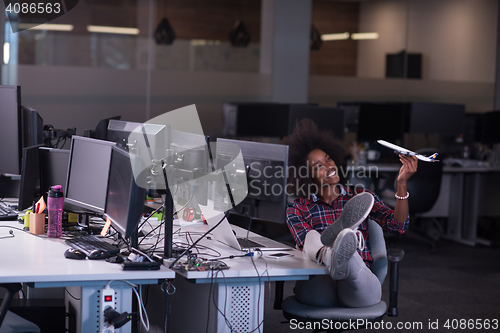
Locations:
{"points": [[74, 254], [99, 254]]}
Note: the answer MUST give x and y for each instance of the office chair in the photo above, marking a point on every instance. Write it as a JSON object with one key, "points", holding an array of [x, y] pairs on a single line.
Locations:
{"points": [[9, 321], [424, 187], [304, 313]]}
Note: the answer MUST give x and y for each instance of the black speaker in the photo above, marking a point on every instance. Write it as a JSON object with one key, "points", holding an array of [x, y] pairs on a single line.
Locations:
{"points": [[395, 65]]}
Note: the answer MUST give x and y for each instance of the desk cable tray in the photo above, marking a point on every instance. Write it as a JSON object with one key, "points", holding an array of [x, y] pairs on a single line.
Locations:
{"points": [[198, 264], [90, 243]]}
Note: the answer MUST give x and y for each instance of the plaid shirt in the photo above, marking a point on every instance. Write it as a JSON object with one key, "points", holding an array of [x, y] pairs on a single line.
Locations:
{"points": [[304, 215]]}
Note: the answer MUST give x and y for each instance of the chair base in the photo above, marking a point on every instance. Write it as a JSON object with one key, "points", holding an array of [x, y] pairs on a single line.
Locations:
{"points": [[327, 319], [13, 323]]}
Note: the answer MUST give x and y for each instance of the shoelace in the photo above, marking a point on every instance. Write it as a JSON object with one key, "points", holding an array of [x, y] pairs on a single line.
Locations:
{"points": [[361, 240], [321, 254]]}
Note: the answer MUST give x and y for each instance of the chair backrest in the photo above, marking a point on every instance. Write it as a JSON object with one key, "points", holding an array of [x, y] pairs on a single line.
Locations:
{"points": [[11, 289], [424, 185], [378, 249]]}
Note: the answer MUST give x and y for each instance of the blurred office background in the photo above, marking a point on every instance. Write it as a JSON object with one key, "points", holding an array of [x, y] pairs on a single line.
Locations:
{"points": [[298, 51]]}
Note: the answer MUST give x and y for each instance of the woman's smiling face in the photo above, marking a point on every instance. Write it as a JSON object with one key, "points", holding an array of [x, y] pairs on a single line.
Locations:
{"points": [[323, 168]]}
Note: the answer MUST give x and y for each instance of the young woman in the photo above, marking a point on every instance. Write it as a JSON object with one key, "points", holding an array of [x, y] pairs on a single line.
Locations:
{"points": [[325, 216]]}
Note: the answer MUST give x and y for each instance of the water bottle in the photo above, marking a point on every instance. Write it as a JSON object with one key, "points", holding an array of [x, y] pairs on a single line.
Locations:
{"points": [[55, 202]]}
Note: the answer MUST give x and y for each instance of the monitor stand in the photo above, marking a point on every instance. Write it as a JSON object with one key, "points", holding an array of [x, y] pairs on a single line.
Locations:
{"points": [[168, 217]]}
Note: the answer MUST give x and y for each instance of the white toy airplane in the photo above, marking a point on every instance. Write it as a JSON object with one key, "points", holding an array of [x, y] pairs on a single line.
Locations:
{"points": [[403, 151]]}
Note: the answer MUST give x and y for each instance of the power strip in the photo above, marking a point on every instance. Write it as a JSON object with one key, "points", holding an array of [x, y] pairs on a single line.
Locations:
{"points": [[106, 300]]}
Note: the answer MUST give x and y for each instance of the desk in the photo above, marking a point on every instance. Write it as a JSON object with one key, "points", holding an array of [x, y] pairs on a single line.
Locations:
{"points": [[238, 291], [466, 193], [40, 263], [469, 188]]}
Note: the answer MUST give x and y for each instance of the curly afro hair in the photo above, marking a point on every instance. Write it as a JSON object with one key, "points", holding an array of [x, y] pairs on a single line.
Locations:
{"points": [[305, 138]]}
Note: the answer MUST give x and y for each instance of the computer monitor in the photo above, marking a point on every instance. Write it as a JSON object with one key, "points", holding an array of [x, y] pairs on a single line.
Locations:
{"points": [[10, 130], [158, 136], [30, 189], [88, 169], [20, 127], [266, 169], [382, 121], [101, 130], [491, 134], [190, 160], [53, 168], [327, 118], [437, 118], [32, 127], [255, 119], [124, 203]]}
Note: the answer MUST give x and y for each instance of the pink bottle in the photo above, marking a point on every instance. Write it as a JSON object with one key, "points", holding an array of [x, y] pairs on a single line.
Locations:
{"points": [[55, 202]]}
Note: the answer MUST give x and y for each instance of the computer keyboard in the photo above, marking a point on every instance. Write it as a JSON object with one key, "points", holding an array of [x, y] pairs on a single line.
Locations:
{"points": [[247, 243], [7, 214], [90, 243]]}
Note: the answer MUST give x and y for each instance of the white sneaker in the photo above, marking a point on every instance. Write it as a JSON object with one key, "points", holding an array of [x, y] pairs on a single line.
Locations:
{"points": [[342, 250], [353, 214]]}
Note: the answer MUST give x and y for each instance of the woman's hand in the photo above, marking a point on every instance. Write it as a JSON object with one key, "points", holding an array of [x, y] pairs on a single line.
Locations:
{"points": [[408, 168]]}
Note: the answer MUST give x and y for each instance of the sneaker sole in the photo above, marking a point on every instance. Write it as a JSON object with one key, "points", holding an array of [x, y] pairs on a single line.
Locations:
{"points": [[343, 249], [355, 211]]}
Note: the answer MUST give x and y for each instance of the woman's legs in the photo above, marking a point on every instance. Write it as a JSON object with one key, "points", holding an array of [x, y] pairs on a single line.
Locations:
{"points": [[361, 288], [358, 288]]}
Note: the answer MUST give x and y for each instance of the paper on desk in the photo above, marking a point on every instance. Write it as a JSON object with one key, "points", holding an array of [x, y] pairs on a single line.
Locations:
{"points": [[40, 206], [183, 223]]}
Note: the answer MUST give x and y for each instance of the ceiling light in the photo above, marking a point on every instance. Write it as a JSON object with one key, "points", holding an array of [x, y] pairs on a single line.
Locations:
{"points": [[112, 30], [48, 26], [365, 35], [6, 53], [198, 42], [328, 37]]}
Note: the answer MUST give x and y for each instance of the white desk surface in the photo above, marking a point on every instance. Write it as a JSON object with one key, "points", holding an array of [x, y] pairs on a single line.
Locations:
{"points": [[40, 260], [297, 267]]}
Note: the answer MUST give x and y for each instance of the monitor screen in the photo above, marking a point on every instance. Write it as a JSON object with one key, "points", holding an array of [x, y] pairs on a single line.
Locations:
{"points": [[255, 119], [10, 130], [382, 121], [327, 118], [88, 169], [437, 118], [124, 199], [491, 133], [266, 171], [53, 168]]}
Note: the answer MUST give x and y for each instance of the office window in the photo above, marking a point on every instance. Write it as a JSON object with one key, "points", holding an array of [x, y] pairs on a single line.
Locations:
{"points": [[201, 36], [447, 40]]}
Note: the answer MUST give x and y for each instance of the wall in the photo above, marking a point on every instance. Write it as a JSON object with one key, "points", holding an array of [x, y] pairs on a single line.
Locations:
{"points": [[335, 57], [456, 37]]}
